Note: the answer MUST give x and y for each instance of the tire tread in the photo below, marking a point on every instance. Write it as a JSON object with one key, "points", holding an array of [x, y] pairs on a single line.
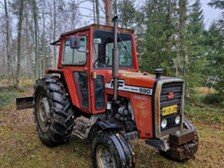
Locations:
{"points": [[61, 111]]}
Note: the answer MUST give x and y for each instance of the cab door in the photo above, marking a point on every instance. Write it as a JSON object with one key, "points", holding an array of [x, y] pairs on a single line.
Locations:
{"points": [[97, 80], [76, 62]]}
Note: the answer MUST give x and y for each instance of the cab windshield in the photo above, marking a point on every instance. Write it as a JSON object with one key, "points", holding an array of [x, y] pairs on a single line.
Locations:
{"points": [[103, 49]]}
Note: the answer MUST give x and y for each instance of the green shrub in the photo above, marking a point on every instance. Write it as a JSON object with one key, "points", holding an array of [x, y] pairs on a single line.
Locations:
{"points": [[214, 99]]}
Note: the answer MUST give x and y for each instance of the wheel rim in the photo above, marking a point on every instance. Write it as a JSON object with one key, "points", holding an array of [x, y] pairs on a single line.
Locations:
{"points": [[43, 114], [104, 158]]}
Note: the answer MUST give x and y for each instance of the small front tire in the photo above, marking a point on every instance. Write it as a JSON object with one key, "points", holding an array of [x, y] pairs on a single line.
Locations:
{"points": [[111, 150]]}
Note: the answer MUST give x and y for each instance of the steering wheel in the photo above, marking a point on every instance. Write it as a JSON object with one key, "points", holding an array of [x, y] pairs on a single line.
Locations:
{"points": [[97, 62]]}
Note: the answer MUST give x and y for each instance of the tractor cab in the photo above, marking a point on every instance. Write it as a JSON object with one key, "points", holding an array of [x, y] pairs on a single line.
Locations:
{"points": [[92, 46], [87, 54]]}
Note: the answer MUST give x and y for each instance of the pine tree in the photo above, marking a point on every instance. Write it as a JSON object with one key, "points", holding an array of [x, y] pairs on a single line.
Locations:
{"points": [[182, 59], [160, 34], [127, 12], [215, 42], [195, 31], [217, 4], [195, 47], [175, 40]]}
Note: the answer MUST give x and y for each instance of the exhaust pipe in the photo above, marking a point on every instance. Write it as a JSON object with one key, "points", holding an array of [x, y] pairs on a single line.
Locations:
{"points": [[115, 65]]}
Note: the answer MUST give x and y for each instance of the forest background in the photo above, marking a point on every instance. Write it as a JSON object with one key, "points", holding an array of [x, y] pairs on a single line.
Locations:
{"points": [[169, 34], [174, 35]]}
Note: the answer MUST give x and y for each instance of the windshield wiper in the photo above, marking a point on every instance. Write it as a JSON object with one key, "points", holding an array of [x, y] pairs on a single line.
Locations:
{"points": [[119, 37]]}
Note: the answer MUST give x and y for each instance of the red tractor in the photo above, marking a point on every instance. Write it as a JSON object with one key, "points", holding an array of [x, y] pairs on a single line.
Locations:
{"points": [[98, 93]]}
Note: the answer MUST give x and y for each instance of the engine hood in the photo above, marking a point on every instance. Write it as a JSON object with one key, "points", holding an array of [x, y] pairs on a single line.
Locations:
{"points": [[137, 82], [136, 78]]}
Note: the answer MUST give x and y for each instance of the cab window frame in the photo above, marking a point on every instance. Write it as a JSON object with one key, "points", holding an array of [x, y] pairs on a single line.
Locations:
{"points": [[120, 38], [74, 50]]}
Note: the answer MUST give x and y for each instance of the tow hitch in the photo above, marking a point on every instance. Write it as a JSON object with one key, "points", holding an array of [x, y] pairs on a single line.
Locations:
{"points": [[24, 103]]}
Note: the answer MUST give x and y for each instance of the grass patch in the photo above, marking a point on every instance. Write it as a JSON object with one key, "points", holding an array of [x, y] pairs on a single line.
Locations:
{"points": [[208, 107], [205, 114], [7, 96], [25, 83]]}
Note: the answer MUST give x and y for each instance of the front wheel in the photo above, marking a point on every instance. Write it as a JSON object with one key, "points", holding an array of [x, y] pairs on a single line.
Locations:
{"points": [[111, 150]]}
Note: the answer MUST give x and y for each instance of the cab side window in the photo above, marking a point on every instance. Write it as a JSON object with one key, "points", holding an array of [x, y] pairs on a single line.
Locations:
{"points": [[74, 56]]}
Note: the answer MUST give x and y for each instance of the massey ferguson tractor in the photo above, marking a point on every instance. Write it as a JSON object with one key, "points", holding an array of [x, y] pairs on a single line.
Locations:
{"points": [[97, 93]]}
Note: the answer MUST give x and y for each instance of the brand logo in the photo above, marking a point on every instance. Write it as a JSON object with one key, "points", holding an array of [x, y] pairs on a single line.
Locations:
{"points": [[170, 95], [123, 87], [145, 91]]}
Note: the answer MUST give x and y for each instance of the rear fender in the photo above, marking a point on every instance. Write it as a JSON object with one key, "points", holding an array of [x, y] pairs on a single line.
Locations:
{"points": [[67, 75], [54, 71]]}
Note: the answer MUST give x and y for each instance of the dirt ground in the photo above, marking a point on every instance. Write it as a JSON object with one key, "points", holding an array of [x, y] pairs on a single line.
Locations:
{"points": [[21, 147]]}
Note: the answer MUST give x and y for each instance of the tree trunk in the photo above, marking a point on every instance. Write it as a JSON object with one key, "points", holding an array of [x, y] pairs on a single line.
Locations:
{"points": [[43, 41], [34, 8], [108, 9], [183, 43], [9, 61], [182, 34], [20, 21], [94, 12], [115, 7], [30, 37], [97, 12]]}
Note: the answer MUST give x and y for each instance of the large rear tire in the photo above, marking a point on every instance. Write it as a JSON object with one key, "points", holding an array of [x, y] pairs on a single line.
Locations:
{"points": [[53, 112], [111, 150]]}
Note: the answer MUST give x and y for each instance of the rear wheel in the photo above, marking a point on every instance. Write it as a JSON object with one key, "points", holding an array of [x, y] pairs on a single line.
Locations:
{"points": [[110, 150], [52, 111]]}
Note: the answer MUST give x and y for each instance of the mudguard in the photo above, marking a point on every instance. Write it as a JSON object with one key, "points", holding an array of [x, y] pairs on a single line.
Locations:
{"points": [[104, 125], [67, 75]]}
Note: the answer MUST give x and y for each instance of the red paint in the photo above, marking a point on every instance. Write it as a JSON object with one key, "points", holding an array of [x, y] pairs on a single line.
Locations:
{"points": [[143, 114]]}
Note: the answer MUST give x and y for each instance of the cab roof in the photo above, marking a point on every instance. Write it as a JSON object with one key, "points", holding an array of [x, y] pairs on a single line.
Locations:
{"points": [[97, 27], [94, 27]]}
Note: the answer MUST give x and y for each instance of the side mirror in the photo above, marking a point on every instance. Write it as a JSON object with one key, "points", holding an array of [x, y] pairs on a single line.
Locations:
{"points": [[74, 42]]}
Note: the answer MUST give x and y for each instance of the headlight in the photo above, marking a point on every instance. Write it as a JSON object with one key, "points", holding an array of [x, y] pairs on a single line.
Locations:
{"points": [[164, 123], [177, 120]]}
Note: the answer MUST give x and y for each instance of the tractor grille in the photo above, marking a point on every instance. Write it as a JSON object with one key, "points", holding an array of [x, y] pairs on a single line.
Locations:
{"points": [[168, 89], [175, 90]]}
